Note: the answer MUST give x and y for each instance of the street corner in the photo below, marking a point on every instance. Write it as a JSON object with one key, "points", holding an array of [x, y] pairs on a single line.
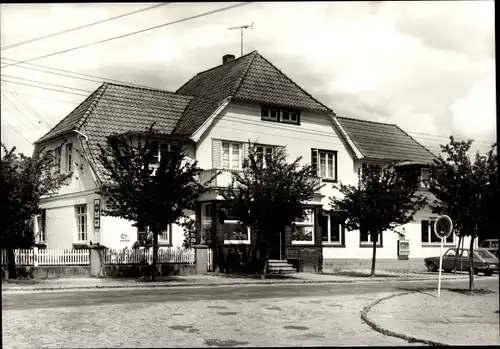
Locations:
{"points": [[422, 317]]}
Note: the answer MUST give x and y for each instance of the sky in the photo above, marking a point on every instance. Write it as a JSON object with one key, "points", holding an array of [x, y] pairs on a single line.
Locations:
{"points": [[428, 67]]}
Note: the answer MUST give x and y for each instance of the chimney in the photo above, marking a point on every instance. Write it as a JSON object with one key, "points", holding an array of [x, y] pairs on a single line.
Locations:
{"points": [[227, 58]]}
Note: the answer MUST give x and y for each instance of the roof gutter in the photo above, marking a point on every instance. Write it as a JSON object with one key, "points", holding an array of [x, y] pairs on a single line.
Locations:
{"points": [[204, 127], [358, 154]]}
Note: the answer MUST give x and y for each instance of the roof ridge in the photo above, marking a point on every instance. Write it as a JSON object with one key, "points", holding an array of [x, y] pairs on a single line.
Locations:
{"points": [[293, 82], [146, 88], [217, 66], [92, 95], [246, 71], [416, 141]]}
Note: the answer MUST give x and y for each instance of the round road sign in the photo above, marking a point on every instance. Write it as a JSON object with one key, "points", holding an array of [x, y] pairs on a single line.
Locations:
{"points": [[443, 227]]}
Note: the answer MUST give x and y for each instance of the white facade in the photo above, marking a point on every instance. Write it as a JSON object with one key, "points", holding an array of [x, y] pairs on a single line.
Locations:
{"points": [[236, 124]]}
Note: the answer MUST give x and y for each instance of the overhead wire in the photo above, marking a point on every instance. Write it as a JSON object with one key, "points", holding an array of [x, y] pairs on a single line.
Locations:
{"points": [[27, 106], [33, 128], [16, 131], [3, 48], [132, 33], [46, 83]]}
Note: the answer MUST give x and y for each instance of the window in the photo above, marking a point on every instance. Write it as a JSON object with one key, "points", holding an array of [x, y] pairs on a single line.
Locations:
{"points": [[40, 227], [324, 164], [206, 218], [424, 178], [366, 239], [427, 233], [234, 231], [69, 153], [285, 115], [164, 236], [332, 229], [142, 234], [81, 222], [231, 155], [264, 154], [269, 113], [57, 159], [163, 146], [303, 229]]}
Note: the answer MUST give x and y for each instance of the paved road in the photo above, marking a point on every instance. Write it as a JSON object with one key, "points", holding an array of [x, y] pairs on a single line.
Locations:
{"points": [[75, 298], [264, 315]]}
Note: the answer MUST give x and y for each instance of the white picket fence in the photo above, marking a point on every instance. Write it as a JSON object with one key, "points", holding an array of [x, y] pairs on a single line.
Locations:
{"points": [[39, 257], [136, 256]]}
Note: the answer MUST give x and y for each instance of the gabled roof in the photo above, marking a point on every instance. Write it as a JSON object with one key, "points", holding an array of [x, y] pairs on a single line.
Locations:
{"points": [[248, 78], [379, 141], [115, 108]]}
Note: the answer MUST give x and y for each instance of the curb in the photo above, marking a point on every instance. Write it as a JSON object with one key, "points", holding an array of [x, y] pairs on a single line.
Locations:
{"points": [[151, 285], [373, 325]]}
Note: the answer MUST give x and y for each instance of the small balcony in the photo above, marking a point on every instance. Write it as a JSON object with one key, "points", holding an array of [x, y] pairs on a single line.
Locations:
{"points": [[225, 178]]}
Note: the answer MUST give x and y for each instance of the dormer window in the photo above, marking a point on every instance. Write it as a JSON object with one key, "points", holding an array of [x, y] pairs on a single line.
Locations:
{"points": [[285, 115]]}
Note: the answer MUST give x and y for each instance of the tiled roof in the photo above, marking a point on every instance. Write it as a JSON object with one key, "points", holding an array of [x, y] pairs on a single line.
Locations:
{"points": [[249, 78], [116, 108], [381, 141]]}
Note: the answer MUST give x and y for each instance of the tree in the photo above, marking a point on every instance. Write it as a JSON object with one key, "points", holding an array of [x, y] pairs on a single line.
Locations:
{"points": [[466, 191], [24, 181], [384, 199], [269, 194], [149, 183]]}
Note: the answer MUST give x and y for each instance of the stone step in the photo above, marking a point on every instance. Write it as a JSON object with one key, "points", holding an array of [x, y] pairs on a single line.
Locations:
{"points": [[288, 267]]}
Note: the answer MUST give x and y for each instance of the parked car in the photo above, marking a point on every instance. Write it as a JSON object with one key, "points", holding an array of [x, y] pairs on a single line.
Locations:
{"points": [[491, 245], [483, 261]]}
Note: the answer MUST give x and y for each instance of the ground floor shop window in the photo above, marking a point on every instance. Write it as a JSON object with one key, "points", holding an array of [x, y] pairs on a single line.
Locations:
{"points": [[303, 229]]}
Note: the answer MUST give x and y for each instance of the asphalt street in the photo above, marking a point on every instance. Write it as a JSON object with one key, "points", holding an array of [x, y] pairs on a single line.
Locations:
{"points": [[78, 298]]}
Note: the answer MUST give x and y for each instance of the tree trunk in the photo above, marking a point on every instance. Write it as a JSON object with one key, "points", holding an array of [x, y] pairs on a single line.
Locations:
{"points": [[461, 255], [372, 274], [266, 247], [155, 256], [11, 264], [471, 266], [456, 256]]}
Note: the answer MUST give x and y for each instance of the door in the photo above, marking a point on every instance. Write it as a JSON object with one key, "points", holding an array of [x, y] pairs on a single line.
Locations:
{"points": [[449, 259], [275, 247]]}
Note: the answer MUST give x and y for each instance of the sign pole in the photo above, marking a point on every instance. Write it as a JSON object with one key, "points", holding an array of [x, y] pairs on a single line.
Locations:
{"points": [[440, 266]]}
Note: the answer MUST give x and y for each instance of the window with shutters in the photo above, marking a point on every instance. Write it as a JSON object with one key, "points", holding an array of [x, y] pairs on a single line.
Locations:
{"points": [[231, 156], [324, 164], [429, 237]]}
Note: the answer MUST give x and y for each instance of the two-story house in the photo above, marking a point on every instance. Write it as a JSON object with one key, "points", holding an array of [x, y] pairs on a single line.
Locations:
{"points": [[215, 114]]}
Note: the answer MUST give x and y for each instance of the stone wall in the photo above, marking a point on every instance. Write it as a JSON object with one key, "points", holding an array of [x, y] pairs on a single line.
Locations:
{"points": [[138, 270], [413, 264]]}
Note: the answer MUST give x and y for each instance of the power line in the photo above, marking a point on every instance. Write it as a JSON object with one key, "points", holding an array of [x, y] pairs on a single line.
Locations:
{"points": [[33, 96], [96, 78], [46, 83], [34, 128], [16, 131], [133, 33], [48, 89], [26, 104], [80, 27]]}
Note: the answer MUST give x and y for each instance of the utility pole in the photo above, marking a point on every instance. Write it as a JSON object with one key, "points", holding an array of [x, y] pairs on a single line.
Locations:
{"points": [[241, 32]]}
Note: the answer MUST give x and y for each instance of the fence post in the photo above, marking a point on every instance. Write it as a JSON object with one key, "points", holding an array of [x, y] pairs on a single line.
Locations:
{"points": [[35, 257], [201, 259]]}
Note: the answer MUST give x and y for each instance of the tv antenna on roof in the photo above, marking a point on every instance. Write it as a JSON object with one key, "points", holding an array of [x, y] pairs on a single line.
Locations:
{"points": [[241, 27]]}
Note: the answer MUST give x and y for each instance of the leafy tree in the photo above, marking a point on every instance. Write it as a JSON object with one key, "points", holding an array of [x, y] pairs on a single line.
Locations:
{"points": [[467, 191], [384, 199], [191, 236], [24, 180], [144, 189], [269, 194]]}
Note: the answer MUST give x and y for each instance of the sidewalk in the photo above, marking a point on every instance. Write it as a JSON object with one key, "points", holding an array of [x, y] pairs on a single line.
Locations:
{"points": [[203, 281], [452, 319]]}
